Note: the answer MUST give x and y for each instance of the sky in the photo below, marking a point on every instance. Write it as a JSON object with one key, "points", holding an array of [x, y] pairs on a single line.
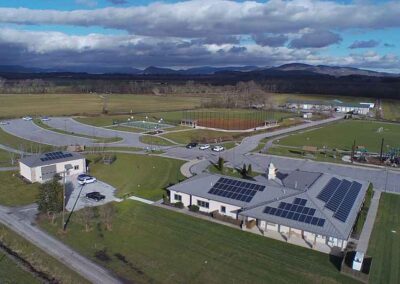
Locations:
{"points": [[181, 34]]}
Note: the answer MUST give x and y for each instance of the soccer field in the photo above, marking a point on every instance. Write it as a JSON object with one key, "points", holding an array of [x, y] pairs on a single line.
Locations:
{"points": [[342, 135]]}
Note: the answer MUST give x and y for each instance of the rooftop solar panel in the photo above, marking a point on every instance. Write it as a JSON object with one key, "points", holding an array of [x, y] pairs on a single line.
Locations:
{"points": [[345, 207], [327, 192], [338, 196], [234, 189]]}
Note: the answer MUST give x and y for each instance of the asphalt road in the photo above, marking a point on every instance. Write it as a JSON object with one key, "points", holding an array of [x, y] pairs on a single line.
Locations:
{"points": [[88, 269]]}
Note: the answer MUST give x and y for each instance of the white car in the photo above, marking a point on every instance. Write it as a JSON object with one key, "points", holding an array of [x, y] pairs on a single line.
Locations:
{"points": [[27, 118], [4, 123], [204, 147], [45, 118], [85, 179], [218, 148]]}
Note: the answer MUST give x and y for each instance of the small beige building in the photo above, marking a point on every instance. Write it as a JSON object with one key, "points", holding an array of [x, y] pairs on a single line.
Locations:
{"points": [[43, 167]]}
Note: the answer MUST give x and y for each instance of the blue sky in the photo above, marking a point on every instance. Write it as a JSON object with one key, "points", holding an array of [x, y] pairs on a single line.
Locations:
{"points": [[140, 33]]}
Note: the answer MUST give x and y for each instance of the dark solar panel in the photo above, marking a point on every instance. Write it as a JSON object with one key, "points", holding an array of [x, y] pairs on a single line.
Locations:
{"points": [[345, 207], [338, 196], [234, 189], [327, 192]]}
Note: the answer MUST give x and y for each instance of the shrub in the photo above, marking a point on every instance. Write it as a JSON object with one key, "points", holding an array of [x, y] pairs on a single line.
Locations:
{"points": [[179, 205], [221, 163], [193, 208]]}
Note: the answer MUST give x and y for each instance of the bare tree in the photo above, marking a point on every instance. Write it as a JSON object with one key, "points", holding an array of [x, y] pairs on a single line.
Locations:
{"points": [[107, 213], [86, 215]]}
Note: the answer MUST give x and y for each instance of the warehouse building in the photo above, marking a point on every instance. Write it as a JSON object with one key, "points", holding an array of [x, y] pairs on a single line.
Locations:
{"points": [[318, 208], [357, 108], [43, 167]]}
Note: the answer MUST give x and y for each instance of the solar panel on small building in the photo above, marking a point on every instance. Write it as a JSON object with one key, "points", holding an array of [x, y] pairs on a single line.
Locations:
{"points": [[55, 156], [235, 189]]}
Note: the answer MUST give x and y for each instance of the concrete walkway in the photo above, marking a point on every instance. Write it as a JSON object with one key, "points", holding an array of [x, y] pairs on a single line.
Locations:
{"points": [[8, 169], [146, 201], [186, 167], [366, 232]]}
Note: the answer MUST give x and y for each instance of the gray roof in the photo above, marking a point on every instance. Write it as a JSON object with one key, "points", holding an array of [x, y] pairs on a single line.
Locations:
{"points": [[329, 103], [40, 159], [308, 187]]}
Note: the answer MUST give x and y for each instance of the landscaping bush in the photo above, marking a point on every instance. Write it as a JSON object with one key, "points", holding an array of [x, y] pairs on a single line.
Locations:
{"points": [[193, 208], [179, 205]]}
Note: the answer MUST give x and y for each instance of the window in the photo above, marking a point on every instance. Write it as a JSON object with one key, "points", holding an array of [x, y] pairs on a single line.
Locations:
{"points": [[203, 204], [178, 197], [223, 209], [76, 167]]}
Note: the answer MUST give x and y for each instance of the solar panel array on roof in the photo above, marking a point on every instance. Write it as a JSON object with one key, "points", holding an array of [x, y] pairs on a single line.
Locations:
{"points": [[339, 196], [235, 189], [55, 156], [296, 211]]}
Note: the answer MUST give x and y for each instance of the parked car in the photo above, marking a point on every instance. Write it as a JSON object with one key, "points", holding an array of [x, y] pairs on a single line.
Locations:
{"points": [[85, 179], [204, 147], [191, 145], [218, 148], [45, 118], [27, 118], [4, 123], [95, 195]]}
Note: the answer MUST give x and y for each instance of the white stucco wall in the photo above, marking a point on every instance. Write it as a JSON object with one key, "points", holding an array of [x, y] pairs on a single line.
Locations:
{"points": [[26, 172]]}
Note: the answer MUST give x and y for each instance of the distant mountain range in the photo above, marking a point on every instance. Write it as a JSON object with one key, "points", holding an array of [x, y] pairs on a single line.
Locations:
{"points": [[299, 68]]}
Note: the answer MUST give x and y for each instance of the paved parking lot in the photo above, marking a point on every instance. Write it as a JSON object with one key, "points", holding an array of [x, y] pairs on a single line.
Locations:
{"points": [[76, 197]]}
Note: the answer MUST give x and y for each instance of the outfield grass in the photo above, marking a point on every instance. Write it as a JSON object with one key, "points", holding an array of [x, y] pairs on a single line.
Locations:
{"points": [[39, 123], [161, 246], [16, 105], [384, 245], [14, 192], [22, 144], [341, 136], [155, 140], [141, 175], [391, 109], [37, 258], [10, 272]]}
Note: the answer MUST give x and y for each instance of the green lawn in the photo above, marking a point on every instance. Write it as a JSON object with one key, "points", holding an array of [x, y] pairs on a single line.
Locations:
{"points": [[391, 109], [17, 105], [127, 129], [155, 140], [14, 192], [22, 144], [200, 135], [341, 135], [39, 123], [155, 245], [384, 245], [5, 158], [298, 153], [10, 272], [39, 259], [141, 175]]}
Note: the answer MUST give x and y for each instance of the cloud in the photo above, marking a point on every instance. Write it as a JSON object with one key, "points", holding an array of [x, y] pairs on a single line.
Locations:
{"points": [[364, 44], [316, 39], [118, 2], [268, 40], [201, 18]]}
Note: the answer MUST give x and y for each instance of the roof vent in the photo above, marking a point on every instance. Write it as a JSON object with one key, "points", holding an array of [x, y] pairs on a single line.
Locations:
{"points": [[272, 171]]}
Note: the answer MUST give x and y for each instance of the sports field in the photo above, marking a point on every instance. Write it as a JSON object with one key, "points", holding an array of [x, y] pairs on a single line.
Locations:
{"points": [[342, 135], [79, 104], [141, 175], [384, 245], [148, 244]]}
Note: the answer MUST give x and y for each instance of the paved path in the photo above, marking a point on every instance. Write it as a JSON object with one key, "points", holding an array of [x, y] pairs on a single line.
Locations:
{"points": [[366, 232], [8, 169], [12, 150], [88, 269], [146, 201], [186, 167]]}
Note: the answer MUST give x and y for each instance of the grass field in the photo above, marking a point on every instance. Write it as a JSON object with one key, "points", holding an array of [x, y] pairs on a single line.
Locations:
{"points": [[200, 135], [384, 245], [14, 192], [37, 258], [10, 272], [341, 135], [22, 144], [150, 244], [155, 140], [5, 158], [67, 104], [141, 175], [391, 109]]}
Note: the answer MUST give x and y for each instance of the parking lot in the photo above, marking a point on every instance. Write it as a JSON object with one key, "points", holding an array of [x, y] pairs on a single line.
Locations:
{"points": [[76, 194]]}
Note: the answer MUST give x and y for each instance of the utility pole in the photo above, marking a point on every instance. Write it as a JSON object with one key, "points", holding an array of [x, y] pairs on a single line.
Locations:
{"points": [[381, 155], [63, 207]]}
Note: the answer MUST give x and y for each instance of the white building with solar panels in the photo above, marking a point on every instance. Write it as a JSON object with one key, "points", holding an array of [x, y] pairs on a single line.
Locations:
{"points": [[319, 208], [43, 167]]}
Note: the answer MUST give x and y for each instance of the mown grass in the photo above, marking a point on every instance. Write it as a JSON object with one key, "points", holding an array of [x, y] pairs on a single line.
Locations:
{"points": [[15, 192], [391, 109], [150, 244], [39, 259], [201, 135], [342, 135], [384, 245], [155, 140], [140, 175], [17, 105], [5, 158], [362, 215]]}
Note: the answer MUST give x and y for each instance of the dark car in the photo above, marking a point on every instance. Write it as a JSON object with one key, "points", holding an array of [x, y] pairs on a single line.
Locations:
{"points": [[95, 195], [192, 145]]}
